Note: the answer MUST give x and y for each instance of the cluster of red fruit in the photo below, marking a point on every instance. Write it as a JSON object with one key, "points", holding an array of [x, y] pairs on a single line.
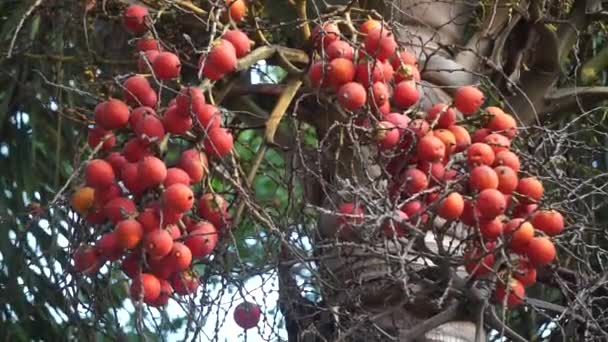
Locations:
{"points": [[157, 231], [438, 167], [368, 79]]}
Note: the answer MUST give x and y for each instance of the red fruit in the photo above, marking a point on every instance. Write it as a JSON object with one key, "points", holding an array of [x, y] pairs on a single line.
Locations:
{"points": [[185, 283], [443, 114], [161, 268], [498, 142], [491, 203], [180, 256], [430, 148], [524, 210], [174, 231], [237, 9], [491, 229], [549, 221], [176, 175], [129, 233], [340, 71], [166, 66], [387, 71], [145, 44], [516, 293], [413, 208], [399, 120], [508, 159], [202, 239], [165, 293], [403, 58], [219, 142], [380, 43], [145, 286], [138, 92], [325, 34], [119, 208], [108, 248], [521, 233], [478, 262], [387, 135], [463, 139], [134, 18], [146, 59], [493, 110], [112, 114], [96, 217], [406, 94], [158, 243], [168, 216], [208, 70], [407, 73], [530, 189], [369, 25], [104, 195], [451, 207], [208, 116], [507, 179], [99, 173], [447, 138], [152, 171], [131, 179], [368, 73], [394, 226], [420, 128], [214, 208], [349, 214], [247, 315], [315, 74], [97, 134], [436, 171], [541, 251], [480, 134], [195, 163], [352, 96], [149, 220], [240, 42], [130, 265], [468, 99], [178, 198], [188, 98], [504, 124], [380, 93], [470, 215], [138, 114], [135, 150], [525, 272], [86, 260], [150, 129], [117, 160], [222, 57], [340, 49], [175, 123], [414, 181], [480, 154]]}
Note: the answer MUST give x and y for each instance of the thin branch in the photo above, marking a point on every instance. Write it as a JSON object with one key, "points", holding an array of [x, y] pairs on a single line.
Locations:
{"points": [[20, 26]]}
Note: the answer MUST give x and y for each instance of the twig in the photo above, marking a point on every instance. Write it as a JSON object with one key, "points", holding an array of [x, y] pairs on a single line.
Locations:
{"points": [[20, 26], [271, 127]]}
